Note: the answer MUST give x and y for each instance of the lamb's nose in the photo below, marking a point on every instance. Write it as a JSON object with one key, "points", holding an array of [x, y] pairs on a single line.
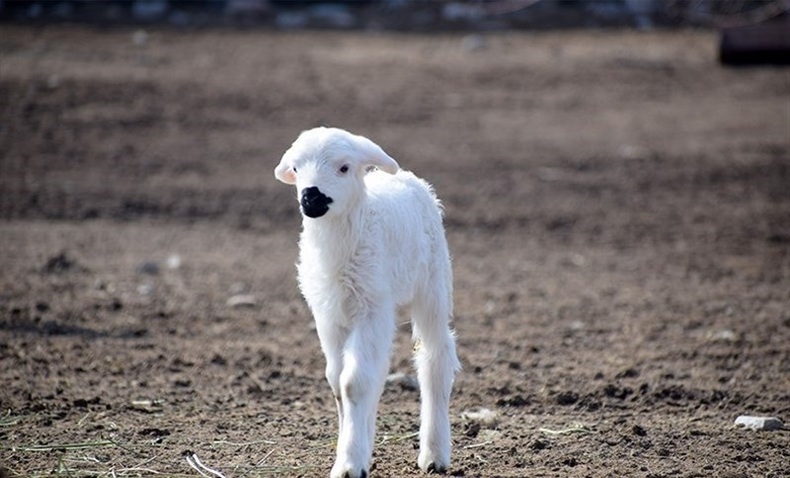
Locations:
{"points": [[314, 202]]}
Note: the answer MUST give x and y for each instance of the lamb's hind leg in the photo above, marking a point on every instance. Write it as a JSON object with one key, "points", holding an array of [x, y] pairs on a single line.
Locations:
{"points": [[437, 363]]}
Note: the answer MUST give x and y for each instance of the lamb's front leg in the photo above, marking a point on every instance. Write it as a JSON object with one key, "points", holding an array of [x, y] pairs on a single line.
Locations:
{"points": [[365, 365], [333, 339]]}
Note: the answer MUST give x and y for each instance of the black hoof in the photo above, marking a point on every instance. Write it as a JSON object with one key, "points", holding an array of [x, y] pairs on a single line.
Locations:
{"points": [[436, 470], [362, 474]]}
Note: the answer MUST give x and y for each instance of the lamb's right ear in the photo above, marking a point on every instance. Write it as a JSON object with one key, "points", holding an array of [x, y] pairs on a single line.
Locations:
{"points": [[373, 155], [284, 172]]}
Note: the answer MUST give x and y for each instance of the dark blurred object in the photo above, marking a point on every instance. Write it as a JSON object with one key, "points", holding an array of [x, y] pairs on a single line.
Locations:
{"points": [[767, 42], [407, 15]]}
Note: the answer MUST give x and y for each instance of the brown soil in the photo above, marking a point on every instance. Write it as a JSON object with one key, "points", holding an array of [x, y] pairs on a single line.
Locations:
{"points": [[618, 207]]}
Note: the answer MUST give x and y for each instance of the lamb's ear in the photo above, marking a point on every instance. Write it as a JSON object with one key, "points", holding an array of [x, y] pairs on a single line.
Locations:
{"points": [[373, 155], [284, 172]]}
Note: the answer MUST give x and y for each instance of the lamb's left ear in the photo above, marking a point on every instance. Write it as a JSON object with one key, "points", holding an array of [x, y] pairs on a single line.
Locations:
{"points": [[373, 155], [284, 172]]}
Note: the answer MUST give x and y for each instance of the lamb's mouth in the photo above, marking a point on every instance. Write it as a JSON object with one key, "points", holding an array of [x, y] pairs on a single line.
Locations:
{"points": [[315, 212]]}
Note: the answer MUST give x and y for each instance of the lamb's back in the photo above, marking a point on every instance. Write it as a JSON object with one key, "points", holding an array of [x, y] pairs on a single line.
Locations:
{"points": [[408, 222]]}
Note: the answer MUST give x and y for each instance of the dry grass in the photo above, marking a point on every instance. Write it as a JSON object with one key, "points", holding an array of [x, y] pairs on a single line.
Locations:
{"points": [[116, 457]]}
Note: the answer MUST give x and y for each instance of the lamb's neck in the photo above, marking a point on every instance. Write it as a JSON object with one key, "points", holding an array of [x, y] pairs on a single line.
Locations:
{"points": [[337, 237]]}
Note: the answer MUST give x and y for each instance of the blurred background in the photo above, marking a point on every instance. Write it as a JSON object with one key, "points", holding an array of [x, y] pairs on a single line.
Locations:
{"points": [[751, 30], [616, 184]]}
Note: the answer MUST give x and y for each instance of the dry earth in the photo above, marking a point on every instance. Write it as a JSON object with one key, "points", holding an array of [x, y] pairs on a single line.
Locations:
{"points": [[617, 204]]}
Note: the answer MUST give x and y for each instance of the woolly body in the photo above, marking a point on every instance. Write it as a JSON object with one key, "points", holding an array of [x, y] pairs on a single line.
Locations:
{"points": [[342, 265]]}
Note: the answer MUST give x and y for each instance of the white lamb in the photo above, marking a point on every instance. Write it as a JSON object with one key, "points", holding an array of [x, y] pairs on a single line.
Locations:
{"points": [[373, 244]]}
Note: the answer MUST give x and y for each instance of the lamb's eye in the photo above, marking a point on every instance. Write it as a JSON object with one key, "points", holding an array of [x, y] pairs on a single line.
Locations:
{"points": [[344, 168], [294, 169]]}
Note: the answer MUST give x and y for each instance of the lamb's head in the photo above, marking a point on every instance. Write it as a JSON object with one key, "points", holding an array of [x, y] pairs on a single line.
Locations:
{"points": [[328, 166]]}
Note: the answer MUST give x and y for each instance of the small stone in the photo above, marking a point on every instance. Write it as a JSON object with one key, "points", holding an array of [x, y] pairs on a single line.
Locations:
{"points": [[173, 261], [577, 260], [145, 289], [242, 300], [140, 37], [238, 288], [759, 423], [483, 416], [725, 335], [576, 326], [406, 382], [474, 42], [146, 406]]}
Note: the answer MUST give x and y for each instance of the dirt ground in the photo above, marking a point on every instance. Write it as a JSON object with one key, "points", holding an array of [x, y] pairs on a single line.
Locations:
{"points": [[617, 205]]}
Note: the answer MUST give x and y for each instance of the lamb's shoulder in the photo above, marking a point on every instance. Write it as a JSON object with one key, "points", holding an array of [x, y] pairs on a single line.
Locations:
{"points": [[401, 185], [402, 201]]}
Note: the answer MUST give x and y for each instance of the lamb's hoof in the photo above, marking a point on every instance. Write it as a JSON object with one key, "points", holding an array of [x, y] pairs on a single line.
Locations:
{"points": [[362, 474], [436, 470], [338, 472], [433, 469], [432, 463]]}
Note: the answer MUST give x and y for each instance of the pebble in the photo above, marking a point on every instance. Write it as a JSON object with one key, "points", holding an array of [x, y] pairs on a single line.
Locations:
{"points": [[242, 300], [474, 42], [140, 37], [173, 261], [759, 423], [238, 288], [145, 289], [725, 335], [483, 416], [407, 382]]}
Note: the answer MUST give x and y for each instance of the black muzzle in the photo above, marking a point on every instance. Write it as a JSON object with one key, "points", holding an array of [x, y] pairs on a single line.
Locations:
{"points": [[314, 203]]}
